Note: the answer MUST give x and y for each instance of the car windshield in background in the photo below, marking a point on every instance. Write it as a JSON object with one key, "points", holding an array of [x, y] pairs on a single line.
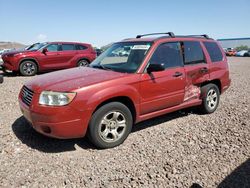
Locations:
{"points": [[123, 57], [36, 46]]}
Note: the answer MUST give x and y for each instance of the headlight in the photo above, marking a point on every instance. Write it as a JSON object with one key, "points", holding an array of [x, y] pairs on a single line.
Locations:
{"points": [[51, 98]]}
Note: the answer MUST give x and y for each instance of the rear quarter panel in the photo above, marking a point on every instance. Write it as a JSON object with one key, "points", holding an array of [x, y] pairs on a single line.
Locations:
{"points": [[219, 70]]}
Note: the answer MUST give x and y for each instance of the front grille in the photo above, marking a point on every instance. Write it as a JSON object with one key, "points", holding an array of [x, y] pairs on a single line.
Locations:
{"points": [[26, 95]]}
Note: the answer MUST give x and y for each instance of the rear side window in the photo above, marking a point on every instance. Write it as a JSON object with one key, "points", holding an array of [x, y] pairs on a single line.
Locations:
{"points": [[81, 47], [168, 54], [214, 51], [193, 52], [68, 47]]}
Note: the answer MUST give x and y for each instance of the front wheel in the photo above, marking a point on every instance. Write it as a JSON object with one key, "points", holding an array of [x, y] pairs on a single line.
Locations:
{"points": [[28, 68], [211, 98], [110, 125]]}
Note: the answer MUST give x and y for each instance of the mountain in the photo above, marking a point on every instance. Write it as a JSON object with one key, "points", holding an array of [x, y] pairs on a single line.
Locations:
{"points": [[8, 45]]}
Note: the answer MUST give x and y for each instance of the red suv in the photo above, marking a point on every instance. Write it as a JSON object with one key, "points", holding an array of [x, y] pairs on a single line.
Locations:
{"points": [[49, 56], [134, 80]]}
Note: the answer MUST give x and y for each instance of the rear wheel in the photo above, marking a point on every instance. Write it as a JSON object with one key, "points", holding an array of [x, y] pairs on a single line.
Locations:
{"points": [[83, 63], [110, 125], [28, 68], [211, 98]]}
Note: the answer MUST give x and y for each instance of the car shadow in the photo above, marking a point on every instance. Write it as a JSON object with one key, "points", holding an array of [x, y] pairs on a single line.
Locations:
{"points": [[8, 74], [35, 140], [164, 118], [15, 74], [240, 177], [24, 132]]}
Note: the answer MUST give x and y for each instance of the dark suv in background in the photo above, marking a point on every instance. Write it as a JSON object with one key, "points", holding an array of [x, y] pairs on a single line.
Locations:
{"points": [[49, 56]]}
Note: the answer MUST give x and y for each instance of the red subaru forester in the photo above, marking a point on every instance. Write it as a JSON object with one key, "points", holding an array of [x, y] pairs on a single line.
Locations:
{"points": [[134, 80], [48, 56]]}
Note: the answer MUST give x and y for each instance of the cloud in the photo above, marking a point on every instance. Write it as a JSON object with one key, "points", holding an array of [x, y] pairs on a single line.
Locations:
{"points": [[42, 37]]}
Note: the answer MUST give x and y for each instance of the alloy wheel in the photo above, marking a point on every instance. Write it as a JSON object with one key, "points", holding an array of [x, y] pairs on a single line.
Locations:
{"points": [[112, 126], [212, 99]]}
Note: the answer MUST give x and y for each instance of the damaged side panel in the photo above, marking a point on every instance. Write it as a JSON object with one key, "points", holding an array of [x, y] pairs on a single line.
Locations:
{"points": [[195, 75]]}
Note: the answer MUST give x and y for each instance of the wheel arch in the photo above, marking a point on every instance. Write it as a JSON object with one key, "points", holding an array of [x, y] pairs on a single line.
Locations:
{"points": [[217, 82], [127, 101], [29, 59], [83, 58]]}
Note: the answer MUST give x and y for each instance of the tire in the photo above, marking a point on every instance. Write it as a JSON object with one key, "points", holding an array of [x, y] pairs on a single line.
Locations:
{"points": [[210, 98], [28, 68], [82, 63], [246, 55], [104, 130]]}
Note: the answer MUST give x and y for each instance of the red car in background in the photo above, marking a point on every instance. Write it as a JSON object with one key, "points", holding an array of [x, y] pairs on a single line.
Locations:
{"points": [[49, 56], [231, 52]]}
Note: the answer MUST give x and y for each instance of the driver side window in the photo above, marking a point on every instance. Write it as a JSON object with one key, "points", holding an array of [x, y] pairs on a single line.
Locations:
{"points": [[52, 47], [168, 54]]}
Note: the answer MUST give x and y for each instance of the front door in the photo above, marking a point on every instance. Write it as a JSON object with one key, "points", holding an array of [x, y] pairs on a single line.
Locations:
{"points": [[49, 59], [164, 89]]}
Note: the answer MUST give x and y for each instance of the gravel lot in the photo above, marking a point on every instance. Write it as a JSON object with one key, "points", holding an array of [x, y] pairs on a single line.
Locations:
{"points": [[181, 149]]}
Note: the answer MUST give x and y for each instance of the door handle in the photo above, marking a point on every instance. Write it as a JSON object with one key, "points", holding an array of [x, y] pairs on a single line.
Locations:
{"points": [[177, 74], [204, 70]]}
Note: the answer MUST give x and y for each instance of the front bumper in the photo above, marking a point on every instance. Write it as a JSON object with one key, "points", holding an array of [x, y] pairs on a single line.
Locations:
{"points": [[58, 122], [10, 63]]}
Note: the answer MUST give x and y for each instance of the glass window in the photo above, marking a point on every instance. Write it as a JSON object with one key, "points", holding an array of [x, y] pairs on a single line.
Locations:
{"points": [[168, 54], [81, 47], [68, 47], [193, 52], [52, 47], [214, 51], [122, 57], [36, 46]]}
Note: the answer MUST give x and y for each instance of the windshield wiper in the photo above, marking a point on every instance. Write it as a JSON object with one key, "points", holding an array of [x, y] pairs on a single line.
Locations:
{"points": [[101, 67]]}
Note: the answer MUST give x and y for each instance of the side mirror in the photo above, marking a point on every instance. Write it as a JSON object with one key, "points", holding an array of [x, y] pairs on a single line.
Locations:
{"points": [[1, 79], [45, 50], [155, 68]]}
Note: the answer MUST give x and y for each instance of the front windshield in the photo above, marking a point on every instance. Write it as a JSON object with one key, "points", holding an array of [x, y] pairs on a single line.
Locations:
{"points": [[36, 46], [122, 57]]}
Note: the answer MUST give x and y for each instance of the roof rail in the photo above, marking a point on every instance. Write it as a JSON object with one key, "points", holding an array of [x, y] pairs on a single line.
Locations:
{"points": [[204, 35], [171, 34]]}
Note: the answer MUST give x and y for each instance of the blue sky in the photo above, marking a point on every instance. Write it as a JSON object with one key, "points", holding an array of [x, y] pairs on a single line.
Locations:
{"points": [[103, 21]]}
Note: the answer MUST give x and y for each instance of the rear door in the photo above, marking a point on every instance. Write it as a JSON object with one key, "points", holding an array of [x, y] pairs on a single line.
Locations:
{"points": [[195, 64], [67, 55], [218, 67], [164, 89]]}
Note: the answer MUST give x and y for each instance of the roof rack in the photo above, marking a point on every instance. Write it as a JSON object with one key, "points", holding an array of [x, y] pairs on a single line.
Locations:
{"points": [[171, 34], [204, 35]]}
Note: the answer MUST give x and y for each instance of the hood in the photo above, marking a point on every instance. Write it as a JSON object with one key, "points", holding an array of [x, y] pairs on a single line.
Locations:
{"points": [[71, 79], [11, 53]]}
